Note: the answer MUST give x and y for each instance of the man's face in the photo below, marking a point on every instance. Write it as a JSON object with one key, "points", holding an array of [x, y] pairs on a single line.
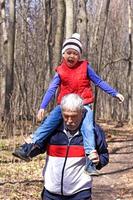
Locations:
{"points": [[72, 119]]}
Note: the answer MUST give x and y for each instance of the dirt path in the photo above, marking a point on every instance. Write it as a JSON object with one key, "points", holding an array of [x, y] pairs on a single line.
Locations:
{"points": [[116, 179]]}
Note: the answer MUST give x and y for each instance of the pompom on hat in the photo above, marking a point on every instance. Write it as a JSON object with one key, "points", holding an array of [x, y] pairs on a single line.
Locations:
{"points": [[73, 43]]}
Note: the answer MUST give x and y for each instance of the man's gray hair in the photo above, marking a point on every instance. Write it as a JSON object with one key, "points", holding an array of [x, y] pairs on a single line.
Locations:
{"points": [[72, 102]]}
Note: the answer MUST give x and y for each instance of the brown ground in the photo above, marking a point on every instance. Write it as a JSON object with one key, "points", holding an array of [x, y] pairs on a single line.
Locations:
{"points": [[23, 181], [116, 179]]}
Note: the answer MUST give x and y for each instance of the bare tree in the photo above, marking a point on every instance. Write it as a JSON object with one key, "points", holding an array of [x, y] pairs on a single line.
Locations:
{"points": [[3, 18], [69, 18], [59, 32], [3, 59], [10, 64], [130, 66], [98, 40], [41, 26], [82, 25]]}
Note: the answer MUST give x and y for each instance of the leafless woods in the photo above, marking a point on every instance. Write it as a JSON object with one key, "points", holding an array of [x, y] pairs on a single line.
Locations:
{"points": [[31, 36]]}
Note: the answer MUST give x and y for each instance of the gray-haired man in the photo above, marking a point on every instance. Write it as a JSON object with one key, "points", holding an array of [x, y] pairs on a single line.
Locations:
{"points": [[64, 173]]}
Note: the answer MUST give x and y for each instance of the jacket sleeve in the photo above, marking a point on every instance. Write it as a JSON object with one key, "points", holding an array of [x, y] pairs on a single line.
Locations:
{"points": [[103, 85], [50, 93], [101, 146]]}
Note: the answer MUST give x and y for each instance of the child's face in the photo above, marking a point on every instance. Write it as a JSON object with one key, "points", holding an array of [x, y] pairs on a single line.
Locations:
{"points": [[71, 57]]}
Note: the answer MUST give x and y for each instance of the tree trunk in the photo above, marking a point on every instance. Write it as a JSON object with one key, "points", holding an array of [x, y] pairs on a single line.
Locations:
{"points": [[59, 32], [3, 58], [10, 58], [100, 48], [3, 17], [69, 17], [130, 76], [82, 25]]}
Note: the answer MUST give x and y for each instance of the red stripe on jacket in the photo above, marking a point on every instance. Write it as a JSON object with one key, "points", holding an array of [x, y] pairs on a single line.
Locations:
{"points": [[61, 151]]}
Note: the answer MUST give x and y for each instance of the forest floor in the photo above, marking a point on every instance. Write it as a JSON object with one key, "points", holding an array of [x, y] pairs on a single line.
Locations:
{"points": [[116, 179], [20, 180]]}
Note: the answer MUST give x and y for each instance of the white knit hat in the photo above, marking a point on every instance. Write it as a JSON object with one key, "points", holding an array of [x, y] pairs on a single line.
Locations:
{"points": [[73, 43]]}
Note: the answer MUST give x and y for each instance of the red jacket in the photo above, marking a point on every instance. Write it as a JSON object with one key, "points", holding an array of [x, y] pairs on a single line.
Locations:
{"points": [[75, 80]]}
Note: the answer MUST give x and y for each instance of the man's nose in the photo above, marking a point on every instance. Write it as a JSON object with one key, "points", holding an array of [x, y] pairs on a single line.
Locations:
{"points": [[69, 120]]}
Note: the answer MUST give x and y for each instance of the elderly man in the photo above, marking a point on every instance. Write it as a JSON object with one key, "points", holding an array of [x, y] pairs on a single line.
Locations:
{"points": [[64, 174]]}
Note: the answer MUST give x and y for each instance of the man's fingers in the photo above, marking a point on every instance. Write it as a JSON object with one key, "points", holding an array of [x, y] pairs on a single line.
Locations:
{"points": [[94, 157]]}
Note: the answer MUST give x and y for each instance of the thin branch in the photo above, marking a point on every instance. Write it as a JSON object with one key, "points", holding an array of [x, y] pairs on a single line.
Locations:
{"points": [[115, 61]]}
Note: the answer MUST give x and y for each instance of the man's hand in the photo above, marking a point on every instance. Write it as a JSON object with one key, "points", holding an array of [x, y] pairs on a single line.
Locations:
{"points": [[94, 157], [40, 114], [120, 97]]}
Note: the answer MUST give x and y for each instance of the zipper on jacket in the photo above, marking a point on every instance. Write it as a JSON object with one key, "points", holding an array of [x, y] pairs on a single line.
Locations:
{"points": [[62, 176], [68, 146]]}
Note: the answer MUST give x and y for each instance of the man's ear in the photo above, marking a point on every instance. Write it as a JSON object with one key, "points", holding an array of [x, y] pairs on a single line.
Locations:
{"points": [[84, 112]]}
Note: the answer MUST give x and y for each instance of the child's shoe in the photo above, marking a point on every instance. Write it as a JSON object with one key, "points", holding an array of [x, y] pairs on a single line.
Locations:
{"points": [[90, 168], [23, 152]]}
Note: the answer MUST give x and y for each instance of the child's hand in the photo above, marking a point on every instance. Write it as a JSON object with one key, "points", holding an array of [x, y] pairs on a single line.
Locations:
{"points": [[40, 114], [120, 97]]}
